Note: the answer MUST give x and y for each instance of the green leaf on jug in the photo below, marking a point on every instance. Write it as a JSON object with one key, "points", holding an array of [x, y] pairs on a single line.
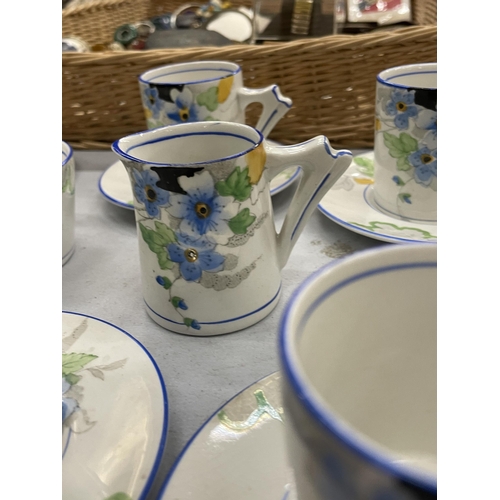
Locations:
{"points": [[208, 99], [165, 232], [72, 379], [74, 362], [157, 242], [237, 185], [240, 222]]}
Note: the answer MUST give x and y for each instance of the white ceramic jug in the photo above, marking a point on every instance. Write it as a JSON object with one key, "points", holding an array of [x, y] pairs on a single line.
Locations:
{"points": [[209, 252]]}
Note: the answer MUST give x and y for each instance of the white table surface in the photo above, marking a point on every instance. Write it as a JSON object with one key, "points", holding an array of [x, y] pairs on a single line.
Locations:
{"points": [[102, 279]]}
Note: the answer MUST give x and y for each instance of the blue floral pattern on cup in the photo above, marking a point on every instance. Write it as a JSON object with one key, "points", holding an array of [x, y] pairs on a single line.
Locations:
{"points": [[148, 193], [401, 105]]}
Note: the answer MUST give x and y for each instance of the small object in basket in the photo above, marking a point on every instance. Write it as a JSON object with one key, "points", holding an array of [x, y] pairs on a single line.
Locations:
{"points": [[186, 38], [125, 34], [231, 23], [99, 47], [162, 22], [388, 12], [73, 44], [212, 7], [144, 28], [186, 16], [137, 44], [301, 17], [116, 46]]}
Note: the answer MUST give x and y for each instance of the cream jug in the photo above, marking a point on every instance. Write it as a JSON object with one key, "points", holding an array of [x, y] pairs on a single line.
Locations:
{"points": [[210, 255]]}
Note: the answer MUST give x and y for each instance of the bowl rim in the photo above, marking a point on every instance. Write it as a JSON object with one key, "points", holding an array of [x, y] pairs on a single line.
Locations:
{"points": [[312, 402]]}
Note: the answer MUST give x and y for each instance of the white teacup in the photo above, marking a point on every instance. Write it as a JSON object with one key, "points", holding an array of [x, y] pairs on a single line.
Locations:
{"points": [[206, 91], [405, 146], [68, 202], [358, 354]]}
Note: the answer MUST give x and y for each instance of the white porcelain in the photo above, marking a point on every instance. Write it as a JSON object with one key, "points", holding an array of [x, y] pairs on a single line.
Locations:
{"points": [[114, 412], [358, 354], [68, 202], [114, 183], [350, 203], [205, 222], [238, 453], [405, 142], [206, 90]]}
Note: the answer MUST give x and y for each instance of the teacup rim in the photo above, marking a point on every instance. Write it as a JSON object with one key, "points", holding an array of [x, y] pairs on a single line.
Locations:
{"points": [[69, 153], [381, 78], [200, 126], [311, 400], [236, 68]]}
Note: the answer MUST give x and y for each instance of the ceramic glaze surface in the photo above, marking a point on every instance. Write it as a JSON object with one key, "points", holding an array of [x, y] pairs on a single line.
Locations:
{"points": [[238, 453], [406, 142], [361, 383], [206, 229], [350, 203], [205, 91], [68, 202], [114, 412]]}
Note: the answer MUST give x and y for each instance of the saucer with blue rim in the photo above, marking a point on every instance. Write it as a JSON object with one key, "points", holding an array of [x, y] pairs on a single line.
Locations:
{"points": [[350, 203]]}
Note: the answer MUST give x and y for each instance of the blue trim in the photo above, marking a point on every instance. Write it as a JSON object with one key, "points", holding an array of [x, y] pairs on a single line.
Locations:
{"points": [[190, 82], [218, 322], [307, 206], [67, 443], [116, 148], [110, 198], [163, 436], [268, 120], [193, 437], [358, 277], [275, 92], [328, 421], [389, 82], [69, 155]]}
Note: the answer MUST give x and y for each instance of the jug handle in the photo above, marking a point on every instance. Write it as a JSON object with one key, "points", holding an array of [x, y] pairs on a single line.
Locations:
{"points": [[321, 167], [274, 105]]}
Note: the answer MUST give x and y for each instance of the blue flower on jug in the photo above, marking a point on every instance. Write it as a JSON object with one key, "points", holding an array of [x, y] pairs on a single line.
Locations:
{"points": [[402, 106], [152, 101], [427, 120], [148, 193], [195, 255], [69, 405], [425, 163], [202, 210], [183, 107]]}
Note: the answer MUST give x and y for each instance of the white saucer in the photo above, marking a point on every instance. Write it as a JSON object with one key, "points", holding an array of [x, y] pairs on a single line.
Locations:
{"points": [[115, 412], [350, 204], [238, 453], [114, 183]]}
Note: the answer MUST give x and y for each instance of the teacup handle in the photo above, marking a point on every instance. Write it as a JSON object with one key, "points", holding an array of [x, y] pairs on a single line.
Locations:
{"points": [[321, 167], [274, 105]]}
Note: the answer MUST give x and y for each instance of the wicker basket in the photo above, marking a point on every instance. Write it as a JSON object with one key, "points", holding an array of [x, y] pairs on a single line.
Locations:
{"points": [[331, 80]]}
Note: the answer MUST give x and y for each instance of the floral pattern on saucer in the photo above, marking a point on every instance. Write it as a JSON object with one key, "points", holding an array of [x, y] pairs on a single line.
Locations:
{"points": [[350, 204]]}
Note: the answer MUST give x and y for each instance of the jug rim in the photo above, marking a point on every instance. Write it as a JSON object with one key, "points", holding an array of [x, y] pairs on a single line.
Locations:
{"points": [[168, 132]]}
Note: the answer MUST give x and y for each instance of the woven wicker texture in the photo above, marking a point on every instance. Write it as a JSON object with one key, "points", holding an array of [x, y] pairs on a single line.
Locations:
{"points": [[331, 80]]}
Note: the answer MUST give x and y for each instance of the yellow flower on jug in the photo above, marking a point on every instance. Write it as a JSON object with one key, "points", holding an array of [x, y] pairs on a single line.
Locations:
{"points": [[256, 159], [224, 90]]}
